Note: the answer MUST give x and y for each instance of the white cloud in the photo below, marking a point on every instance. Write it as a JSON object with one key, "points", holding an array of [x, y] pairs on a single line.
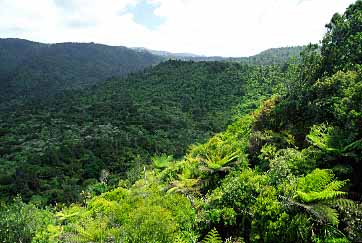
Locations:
{"points": [[210, 27]]}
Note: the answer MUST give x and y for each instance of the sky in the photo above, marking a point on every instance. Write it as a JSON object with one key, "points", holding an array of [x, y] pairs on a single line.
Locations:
{"points": [[204, 27]]}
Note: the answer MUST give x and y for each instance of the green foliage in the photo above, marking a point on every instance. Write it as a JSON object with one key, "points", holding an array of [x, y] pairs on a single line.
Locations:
{"points": [[179, 239], [276, 55], [212, 237], [269, 220], [151, 224], [95, 229], [141, 214], [341, 47], [272, 56], [20, 222], [57, 148], [353, 223], [319, 192], [48, 235], [34, 70], [338, 99], [291, 161], [322, 137], [280, 174], [321, 107], [318, 186], [162, 161]]}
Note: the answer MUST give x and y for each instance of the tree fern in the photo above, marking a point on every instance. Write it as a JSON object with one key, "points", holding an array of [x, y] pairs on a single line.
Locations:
{"points": [[325, 214], [318, 194], [162, 161], [330, 234], [356, 145], [326, 138], [218, 162], [179, 239], [212, 237], [183, 184], [351, 149], [216, 154], [333, 140], [343, 203], [319, 185]]}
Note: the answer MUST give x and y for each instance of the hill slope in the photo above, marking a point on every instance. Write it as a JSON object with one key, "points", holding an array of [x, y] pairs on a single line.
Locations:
{"points": [[30, 69], [275, 55], [285, 173], [36, 70], [271, 56], [117, 124], [290, 171]]}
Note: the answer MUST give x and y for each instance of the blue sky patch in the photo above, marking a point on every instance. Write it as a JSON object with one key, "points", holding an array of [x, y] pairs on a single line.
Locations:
{"points": [[143, 13]]}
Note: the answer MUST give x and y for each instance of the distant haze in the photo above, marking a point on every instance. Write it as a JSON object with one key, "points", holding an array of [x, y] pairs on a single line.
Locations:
{"points": [[204, 27]]}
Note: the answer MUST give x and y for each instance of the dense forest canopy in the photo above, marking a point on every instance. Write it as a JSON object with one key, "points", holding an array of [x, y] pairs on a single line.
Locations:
{"points": [[31, 69], [54, 148], [287, 168]]}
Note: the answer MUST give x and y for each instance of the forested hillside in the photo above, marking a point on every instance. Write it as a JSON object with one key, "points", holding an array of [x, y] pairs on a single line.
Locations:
{"points": [[274, 56], [36, 70], [31, 69], [287, 169], [271, 56], [52, 150]]}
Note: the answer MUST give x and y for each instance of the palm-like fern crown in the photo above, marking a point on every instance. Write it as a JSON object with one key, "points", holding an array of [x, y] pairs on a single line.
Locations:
{"points": [[318, 194], [179, 239], [162, 161], [318, 186], [212, 237]]}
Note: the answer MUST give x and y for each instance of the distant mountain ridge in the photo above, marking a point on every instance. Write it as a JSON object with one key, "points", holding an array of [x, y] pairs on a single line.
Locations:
{"points": [[31, 69], [274, 55], [270, 56], [166, 53]]}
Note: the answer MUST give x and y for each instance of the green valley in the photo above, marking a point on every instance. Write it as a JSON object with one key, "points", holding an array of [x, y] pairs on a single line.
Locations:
{"points": [[233, 151]]}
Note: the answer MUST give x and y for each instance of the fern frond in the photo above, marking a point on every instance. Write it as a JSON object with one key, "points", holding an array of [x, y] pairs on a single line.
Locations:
{"points": [[343, 203], [332, 234], [212, 237], [322, 213], [315, 181], [335, 185], [323, 137], [319, 196], [183, 185], [319, 186], [179, 239], [318, 193], [162, 161], [356, 145], [325, 214], [216, 162]]}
